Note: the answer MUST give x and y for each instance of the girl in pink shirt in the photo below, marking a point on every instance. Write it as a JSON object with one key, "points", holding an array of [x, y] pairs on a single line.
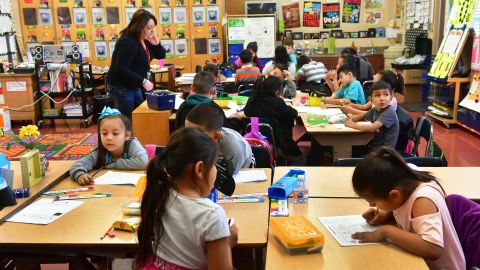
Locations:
{"points": [[411, 206]]}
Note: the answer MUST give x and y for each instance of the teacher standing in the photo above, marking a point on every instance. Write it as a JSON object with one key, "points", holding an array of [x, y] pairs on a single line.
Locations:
{"points": [[136, 47]]}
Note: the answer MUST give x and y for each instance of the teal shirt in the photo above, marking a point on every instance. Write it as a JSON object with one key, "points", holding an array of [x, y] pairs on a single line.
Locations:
{"points": [[293, 59], [353, 91]]}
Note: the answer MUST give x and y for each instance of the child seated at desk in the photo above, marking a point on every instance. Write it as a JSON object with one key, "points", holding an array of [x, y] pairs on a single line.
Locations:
{"points": [[350, 91], [180, 227], [384, 121], [117, 148], [289, 86], [232, 146], [411, 206], [247, 73]]}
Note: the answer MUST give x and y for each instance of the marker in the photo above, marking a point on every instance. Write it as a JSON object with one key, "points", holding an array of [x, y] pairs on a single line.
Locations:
{"points": [[346, 114], [75, 197], [97, 171], [109, 232], [65, 191]]}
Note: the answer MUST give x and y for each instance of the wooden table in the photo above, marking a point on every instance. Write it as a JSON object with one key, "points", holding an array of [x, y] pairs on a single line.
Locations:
{"points": [[151, 126], [55, 173], [336, 182], [80, 229], [333, 256], [341, 140]]}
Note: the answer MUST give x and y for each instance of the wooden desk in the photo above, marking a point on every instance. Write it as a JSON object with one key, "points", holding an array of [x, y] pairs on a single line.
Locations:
{"points": [[341, 140], [80, 229], [151, 126], [18, 98], [55, 173], [336, 182], [333, 256]]}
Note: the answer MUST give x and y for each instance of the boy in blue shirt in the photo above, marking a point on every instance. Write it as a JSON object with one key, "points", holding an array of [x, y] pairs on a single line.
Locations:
{"points": [[351, 90]]}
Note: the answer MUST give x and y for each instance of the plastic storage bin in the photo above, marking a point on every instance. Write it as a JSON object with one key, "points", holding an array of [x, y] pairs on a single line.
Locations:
{"points": [[297, 234], [285, 185], [160, 100]]}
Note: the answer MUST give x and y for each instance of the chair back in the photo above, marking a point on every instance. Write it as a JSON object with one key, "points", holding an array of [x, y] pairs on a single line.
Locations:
{"points": [[426, 161], [367, 85], [198, 68], [265, 129], [172, 73], [153, 150], [406, 132], [346, 162], [423, 129], [262, 157], [465, 216]]}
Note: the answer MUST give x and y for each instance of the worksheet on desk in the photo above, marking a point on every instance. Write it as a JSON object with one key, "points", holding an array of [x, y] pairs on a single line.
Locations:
{"points": [[44, 211], [342, 228], [118, 178]]}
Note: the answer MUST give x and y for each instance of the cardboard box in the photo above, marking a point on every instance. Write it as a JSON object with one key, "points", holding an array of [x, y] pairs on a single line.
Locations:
{"points": [[414, 76]]}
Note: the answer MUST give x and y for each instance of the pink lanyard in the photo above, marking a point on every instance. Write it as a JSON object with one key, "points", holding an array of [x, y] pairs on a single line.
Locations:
{"points": [[146, 49]]}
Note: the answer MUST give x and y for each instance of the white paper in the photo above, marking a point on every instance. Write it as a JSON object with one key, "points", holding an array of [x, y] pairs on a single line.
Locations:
{"points": [[342, 228], [250, 176], [44, 211], [178, 102], [118, 178]]}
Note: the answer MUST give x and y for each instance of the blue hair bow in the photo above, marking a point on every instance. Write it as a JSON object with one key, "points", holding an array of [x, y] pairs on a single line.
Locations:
{"points": [[107, 111]]}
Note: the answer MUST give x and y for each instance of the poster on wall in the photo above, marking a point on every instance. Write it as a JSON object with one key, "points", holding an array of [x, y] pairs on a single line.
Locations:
{"points": [[373, 17], [472, 99], [214, 46], [181, 47], [351, 11], [291, 15], [261, 7], [101, 50], [331, 15], [180, 15], [375, 4], [212, 13], [168, 46], [165, 15], [311, 14], [84, 48]]}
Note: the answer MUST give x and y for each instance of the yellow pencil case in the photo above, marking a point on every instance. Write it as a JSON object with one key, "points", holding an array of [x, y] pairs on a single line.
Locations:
{"points": [[128, 224], [297, 234]]}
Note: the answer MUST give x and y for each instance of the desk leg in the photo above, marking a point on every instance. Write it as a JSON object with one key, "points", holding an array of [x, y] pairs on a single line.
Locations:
{"points": [[342, 151], [258, 259]]}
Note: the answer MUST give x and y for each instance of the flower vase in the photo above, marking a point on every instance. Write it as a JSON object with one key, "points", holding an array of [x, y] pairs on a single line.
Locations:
{"points": [[31, 168]]}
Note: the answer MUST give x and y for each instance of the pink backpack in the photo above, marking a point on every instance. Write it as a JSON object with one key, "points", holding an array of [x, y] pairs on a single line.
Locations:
{"points": [[255, 138]]}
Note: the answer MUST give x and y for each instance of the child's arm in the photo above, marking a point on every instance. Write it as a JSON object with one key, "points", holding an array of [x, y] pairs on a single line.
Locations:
{"points": [[138, 158], [219, 254], [290, 89], [335, 100], [366, 128], [362, 107], [412, 242], [82, 166], [351, 110]]}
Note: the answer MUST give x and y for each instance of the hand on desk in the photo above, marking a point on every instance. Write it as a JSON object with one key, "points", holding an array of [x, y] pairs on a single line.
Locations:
{"points": [[85, 179], [369, 237], [233, 235], [349, 123], [375, 216]]}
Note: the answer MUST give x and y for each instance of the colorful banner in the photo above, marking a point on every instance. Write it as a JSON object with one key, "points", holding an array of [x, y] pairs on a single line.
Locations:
{"points": [[311, 14], [351, 11], [291, 15], [331, 15]]}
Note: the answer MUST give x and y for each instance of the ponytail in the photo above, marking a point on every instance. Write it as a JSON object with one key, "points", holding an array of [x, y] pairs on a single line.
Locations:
{"points": [[380, 172], [394, 79]]}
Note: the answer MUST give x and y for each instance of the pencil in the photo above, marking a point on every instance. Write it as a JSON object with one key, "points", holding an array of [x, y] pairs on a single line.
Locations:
{"points": [[97, 171], [107, 232], [346, 114]]}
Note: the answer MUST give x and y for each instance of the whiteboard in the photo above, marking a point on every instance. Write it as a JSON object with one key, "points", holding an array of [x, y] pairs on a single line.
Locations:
{"points": [[242, 30]]}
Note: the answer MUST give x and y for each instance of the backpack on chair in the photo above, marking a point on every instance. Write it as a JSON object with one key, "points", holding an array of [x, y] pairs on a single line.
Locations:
{"points": [[255, 138]]}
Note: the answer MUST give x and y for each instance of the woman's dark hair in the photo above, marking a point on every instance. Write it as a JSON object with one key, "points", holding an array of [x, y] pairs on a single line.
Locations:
{"points": [[101, 151], [380, 172], [281, 56], [185, 147], [266, 85], [139, 19], [394, 79]]}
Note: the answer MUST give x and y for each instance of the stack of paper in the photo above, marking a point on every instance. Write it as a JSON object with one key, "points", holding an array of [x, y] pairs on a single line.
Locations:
{"points": [[73, 109], [44, 211], [186, 78], [118, 178]]}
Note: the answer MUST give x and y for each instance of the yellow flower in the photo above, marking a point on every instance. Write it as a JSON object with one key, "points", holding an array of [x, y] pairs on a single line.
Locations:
{"points": [[28, 131]]}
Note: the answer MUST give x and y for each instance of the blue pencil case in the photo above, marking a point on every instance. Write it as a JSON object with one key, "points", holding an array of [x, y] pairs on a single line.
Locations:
{"points": [[285, 185]]}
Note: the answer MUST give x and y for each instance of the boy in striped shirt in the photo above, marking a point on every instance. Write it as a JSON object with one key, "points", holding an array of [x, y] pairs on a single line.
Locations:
{"points": [[247, 73], [309, 70]]}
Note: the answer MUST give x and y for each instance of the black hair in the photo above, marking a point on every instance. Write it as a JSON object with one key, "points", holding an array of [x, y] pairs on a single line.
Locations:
{"points": [[346, 68], [203, 82], [139, 19], [381, 172], [246, 56], [212, 68], [395, 80], [349, 50], [207, 115], [303, 60], [266, 85], [380, 85], [288, 42], [185, 148], [353, 61], [101, 151], [252, 46], [281, 56]]}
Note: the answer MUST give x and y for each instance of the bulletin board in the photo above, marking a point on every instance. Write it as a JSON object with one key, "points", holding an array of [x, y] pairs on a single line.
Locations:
{"points": [[244, 29]]}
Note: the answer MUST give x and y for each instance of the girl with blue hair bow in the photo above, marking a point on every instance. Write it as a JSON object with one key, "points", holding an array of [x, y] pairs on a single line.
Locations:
{"points": [[118, 149]]}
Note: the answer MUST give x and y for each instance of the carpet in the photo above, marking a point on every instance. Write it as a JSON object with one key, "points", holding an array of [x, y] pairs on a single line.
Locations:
{"points": [[55, 146], [415, 106]]}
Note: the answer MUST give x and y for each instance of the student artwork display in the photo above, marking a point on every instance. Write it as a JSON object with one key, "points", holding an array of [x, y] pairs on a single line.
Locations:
{"points": [[84, 48], [180, 15], [98, 17], [375, 4], [111, 47], [373, 17], [214, 46], [129, 11], [212, 13], [30, 16], [165, 15], [380, 32], [418, 14], [336, 33], [113, 16], [181, 47], [45, 15], [63, 15], [101, 49], [198, 14], [291, 15], [331, 15], [168, 45], [297, 35], [351, 11], [311, 14], [79, 16]]}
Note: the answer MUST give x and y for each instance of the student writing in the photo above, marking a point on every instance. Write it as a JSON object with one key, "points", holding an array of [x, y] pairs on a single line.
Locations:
{"points": [[415, 201], [180, 227], [118, 149], [350, 91]]}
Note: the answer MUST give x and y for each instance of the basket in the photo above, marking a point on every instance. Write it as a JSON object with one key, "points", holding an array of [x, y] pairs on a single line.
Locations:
{"points": [[241, 100], [160, 100], [315, 101]]}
